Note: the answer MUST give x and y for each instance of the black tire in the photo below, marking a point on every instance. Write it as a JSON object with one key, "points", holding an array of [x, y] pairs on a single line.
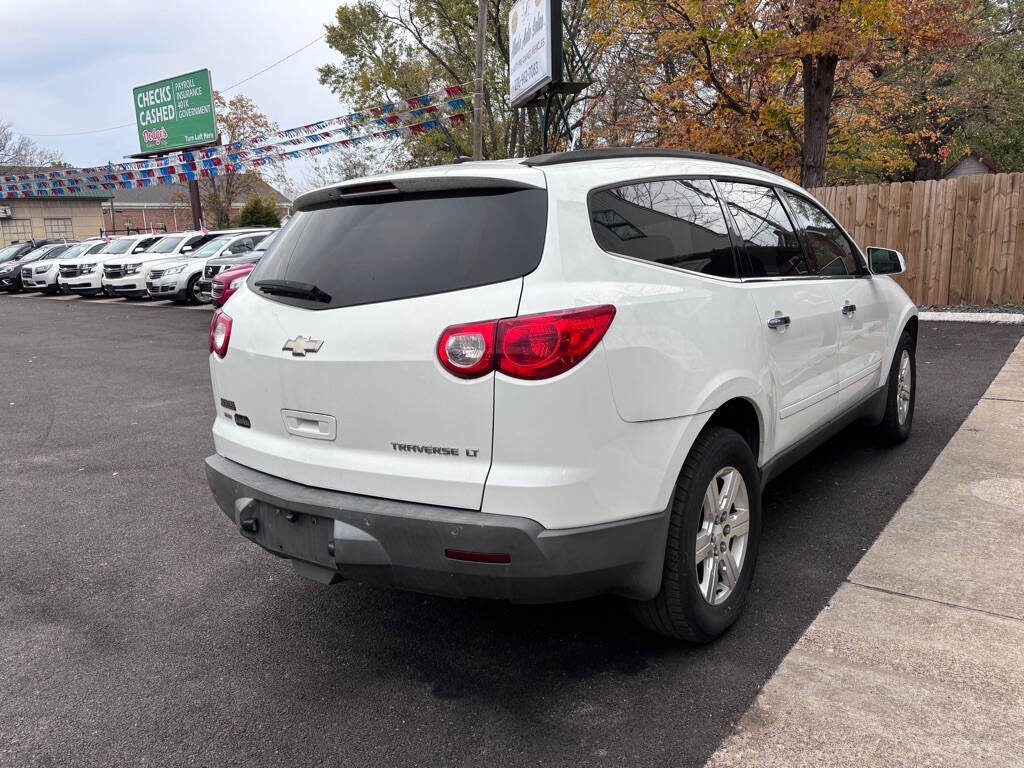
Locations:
{"points": [[893, 429], [192, 290], [679, 610]]}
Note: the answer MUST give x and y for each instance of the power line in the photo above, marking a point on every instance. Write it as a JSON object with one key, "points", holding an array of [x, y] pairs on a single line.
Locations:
{"points": [[279, 61], [222, 90], [78, 133]]}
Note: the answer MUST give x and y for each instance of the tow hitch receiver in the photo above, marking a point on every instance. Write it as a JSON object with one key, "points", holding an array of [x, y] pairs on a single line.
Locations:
{"points": [[288, 533]]}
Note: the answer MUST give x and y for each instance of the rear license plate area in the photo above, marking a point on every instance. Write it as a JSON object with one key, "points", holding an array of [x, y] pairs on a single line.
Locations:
{"points": [[294, 534]]}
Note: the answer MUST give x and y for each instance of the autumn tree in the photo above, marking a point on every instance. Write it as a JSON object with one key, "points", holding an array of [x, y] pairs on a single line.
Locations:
{"points": [[941, 102], [238, 119], [760, 78], [391, 49]]}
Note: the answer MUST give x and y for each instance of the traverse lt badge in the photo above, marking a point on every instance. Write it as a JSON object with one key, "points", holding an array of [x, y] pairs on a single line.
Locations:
{"points": [[300, 346]]}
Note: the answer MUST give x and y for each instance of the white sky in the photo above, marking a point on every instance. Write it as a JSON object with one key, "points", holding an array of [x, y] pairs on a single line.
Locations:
{"points": [[69, 66]]}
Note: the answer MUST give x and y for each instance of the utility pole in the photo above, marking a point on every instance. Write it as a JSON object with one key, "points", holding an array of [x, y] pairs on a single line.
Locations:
{"points": [[197, 205], [478, 89]]}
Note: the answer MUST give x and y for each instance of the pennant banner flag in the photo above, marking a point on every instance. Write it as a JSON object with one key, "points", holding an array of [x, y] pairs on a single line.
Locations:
{"points": [[445, 101], [210, 167]]}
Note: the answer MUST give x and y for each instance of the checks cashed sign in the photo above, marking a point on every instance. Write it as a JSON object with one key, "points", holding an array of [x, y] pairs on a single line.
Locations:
{"points": [[535, 52], [175, 113]]}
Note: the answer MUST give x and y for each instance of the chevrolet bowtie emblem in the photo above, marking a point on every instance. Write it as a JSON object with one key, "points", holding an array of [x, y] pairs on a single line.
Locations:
{"points": [[301, 345]]}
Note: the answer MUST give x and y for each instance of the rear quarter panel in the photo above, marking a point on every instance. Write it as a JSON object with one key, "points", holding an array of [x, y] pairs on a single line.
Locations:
{"points": [[680, 344], [607, 439]]}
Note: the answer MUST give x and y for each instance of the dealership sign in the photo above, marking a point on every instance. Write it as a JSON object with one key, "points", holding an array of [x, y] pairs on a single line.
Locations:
{"points": [[175, 113], [535, 50]]}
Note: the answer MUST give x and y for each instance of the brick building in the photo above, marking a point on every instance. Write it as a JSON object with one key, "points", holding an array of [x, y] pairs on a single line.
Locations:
{"points": [[166, 207]]}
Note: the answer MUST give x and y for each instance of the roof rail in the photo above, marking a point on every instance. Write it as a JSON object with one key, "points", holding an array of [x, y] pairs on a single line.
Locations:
{"points": [[611, 153]]}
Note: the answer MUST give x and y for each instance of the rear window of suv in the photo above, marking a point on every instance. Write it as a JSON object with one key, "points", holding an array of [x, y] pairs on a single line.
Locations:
{"points": [[400, 246]]}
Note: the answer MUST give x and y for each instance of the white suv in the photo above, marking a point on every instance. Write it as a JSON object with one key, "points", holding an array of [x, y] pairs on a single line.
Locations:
{"points": [[179, 280], [128, 275], [42, 276], [84, 275], [544, 379]]}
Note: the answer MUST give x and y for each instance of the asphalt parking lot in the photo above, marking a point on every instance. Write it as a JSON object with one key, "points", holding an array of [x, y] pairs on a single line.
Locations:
{"points": [[137, 627]]}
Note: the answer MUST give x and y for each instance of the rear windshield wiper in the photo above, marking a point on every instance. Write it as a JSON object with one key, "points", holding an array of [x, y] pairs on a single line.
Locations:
{"points": [[293, 288]]}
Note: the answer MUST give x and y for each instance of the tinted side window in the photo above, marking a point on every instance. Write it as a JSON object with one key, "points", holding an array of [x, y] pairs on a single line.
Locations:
{"points": [[674, 222], [771, 245], [828, 246]]}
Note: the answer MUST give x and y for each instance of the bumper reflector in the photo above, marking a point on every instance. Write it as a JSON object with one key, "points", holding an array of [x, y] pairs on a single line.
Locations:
{"points": [[477, 557]]}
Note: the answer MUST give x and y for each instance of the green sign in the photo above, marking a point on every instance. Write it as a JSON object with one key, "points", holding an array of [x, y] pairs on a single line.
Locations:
{"points": [[175, 113]]}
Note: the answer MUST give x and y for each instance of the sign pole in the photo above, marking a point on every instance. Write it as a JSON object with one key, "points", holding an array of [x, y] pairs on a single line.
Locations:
{"points": [[478, 90], [197, 204]]}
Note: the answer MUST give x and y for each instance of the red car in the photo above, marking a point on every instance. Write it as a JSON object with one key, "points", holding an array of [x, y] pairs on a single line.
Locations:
{"points": [[227, 282]]}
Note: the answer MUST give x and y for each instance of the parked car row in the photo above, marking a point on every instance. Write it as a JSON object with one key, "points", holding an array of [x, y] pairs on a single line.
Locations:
{"points": [[226, 269], [170, 266], [14, 258], [179, 279]]}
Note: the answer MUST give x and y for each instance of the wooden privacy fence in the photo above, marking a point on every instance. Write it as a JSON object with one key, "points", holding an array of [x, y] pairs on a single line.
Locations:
{"points": [[963, 238]]}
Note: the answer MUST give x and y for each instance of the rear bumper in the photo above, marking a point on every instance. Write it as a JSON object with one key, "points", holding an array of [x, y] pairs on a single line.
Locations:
{"points": [[403, 544]]}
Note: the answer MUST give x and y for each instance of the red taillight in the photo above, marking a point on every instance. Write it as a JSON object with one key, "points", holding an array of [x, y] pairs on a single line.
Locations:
{"points": [[542, 346], [468, 350], [528, 347], [220, 333]]}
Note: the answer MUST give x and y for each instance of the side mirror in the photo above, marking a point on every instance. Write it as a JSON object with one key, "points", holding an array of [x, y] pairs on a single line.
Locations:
{"points": [[886, 261], [186, 249], [140, 249]]}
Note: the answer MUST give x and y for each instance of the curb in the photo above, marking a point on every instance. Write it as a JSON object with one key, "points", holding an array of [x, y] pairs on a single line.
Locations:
{"points": [[997, 318]]}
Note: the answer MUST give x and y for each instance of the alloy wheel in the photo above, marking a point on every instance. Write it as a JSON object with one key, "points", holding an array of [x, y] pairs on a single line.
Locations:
{"points": [[721, 543], [904, 388]]}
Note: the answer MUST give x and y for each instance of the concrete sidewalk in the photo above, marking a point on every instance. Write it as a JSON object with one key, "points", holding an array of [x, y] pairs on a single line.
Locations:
{"points": [[919, 658]]}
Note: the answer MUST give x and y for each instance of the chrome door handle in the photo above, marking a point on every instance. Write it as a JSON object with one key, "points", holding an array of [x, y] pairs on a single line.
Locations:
{"points": [[779, 321], [849, 309]]}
